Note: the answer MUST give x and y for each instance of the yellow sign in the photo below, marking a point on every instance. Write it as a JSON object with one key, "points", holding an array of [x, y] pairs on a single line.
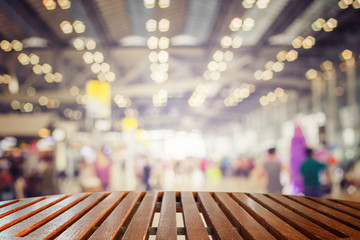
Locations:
{"points": [[98, 99], [129, 123]]}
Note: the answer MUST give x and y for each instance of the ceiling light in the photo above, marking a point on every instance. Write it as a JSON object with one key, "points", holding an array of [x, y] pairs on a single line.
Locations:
{"points": [[79, 44], [37, 69], [152, 42], [235, 24], [34, 59], [149, 3], [212, 66], [297, 42], [17, 45], [279, 92], [226, 42], [46, 68], [15, 104], [164, 25], [346, 55], [281, 56], [105, 67], [98, 57], [95, 67], [267, 75], [24, 59], [278, 66], [292, 55], [79, 26], [258, 74], [66, 27], [263, 101], [311, 74], [222, 66], [248, 24], [90, 44], [49, 77], [218, 56], [64, 4], [88, 57], [31, 91], [164, 3], [58, 77], [271, 97], [110, 76], [163, 56], [5, 45], [153, 56], [237, 42], [164, 43], [151, 25], [215, 75], [228, 56], [326, 66], [49, 4]]}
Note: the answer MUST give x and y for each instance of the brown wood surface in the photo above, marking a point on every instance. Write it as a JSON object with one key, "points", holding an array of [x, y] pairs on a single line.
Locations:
{"points": [[324, 221], [31, 223], [248, 226], [110, 228], [29, 211], [297, 221], [167, 229], [339, 206], [140, 223], [194, 225], [222, 227], [84, 227], [71, 213], [335, 214], [279, 228], [129, 215]]}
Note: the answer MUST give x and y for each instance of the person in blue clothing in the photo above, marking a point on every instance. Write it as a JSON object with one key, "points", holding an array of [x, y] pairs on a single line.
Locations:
{"points": [[310, 170]]}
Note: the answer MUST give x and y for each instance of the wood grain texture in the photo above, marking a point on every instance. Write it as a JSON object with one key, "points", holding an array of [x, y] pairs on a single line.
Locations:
{"points": [[69, 216], [194, 225], [110, 228], [29, 211], [324, 221], [36, 220], [330, 212], [305, 226], [140, 223], [338, 206], [248, 226], [83, 228], [279, 228], [222, 227], [167, 229]]}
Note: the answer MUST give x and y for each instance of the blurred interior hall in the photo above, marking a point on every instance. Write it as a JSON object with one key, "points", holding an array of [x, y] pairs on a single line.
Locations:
{"points": [[181, 95]]}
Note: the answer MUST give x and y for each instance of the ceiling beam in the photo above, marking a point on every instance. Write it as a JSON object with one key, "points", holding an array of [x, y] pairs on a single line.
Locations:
{"points": [[292, 10], [28, 19], [97, 21]]}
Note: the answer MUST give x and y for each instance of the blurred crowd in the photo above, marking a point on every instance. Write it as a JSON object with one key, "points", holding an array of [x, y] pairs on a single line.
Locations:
{"points": [[307, 171]]}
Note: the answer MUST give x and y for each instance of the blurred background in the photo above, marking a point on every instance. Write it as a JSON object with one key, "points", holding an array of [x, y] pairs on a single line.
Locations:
{"points": [[177, 95]]}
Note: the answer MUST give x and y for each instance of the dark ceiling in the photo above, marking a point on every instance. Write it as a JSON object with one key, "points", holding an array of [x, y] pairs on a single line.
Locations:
{"points": [[196, 30]]}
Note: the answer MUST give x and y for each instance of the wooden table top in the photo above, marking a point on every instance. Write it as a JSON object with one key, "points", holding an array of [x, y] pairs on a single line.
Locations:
{"points": [[178, 215]]}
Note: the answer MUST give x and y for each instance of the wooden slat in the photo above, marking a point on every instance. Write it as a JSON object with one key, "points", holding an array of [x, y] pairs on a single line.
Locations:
{"points": [[338, 206], [352, 204], [326, 222], [335, 214], [140, 223], [8, 202], [248, 226], [29, 211], [110, 228], [279, 228], [222, 227], [6, 210], [83, 228], [28, 224], [167, 224], [310, 229], [57, 224], [194, 226]]}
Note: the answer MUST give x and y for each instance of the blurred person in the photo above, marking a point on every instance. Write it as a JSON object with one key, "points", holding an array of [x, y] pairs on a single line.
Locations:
{"points": [[310, 170], [272, 167], [225, 166], [48, 184], [102, 166], [6, 181], [146, 174], [297, 156], [89, 182]]}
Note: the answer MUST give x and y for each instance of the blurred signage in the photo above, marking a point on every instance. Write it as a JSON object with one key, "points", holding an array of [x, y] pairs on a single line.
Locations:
{"points": [[98, 99], [129, 123]]}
